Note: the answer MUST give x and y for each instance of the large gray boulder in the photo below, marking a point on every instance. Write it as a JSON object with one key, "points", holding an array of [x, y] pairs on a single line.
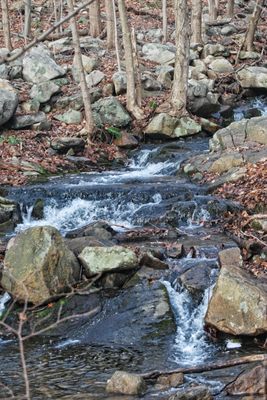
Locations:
{"points": [[253, 77], [97, 259], [161, 125], [239, 301], [24, 121], [167, 127], [38, 265], [43, 92], [221, 66], [39, 66], [109, 111], [158, 53], [240, 132], [8, 101]]}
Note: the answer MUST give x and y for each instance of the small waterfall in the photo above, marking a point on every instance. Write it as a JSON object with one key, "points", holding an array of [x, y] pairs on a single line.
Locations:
{"points": [[199, 217], [3, 300], [191, 345], [257, 103], [78, 212]]}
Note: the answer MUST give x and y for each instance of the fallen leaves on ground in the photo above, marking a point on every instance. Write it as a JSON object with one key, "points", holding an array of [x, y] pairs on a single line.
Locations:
{"points": [[251, 192]]}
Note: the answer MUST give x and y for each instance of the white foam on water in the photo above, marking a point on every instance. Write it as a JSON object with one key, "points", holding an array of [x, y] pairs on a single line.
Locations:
{"points": [[66, 343], [154, 169], [233, 344], [256, 103], [3, 300], [139, 168], [80, 212], [191, 345]]}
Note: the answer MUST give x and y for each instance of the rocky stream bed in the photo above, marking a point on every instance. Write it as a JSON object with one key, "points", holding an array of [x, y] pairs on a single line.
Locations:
{"points": [[151, 317]]}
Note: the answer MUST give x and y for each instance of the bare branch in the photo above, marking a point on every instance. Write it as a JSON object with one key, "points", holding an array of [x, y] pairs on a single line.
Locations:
{"points": [[65, 319]]}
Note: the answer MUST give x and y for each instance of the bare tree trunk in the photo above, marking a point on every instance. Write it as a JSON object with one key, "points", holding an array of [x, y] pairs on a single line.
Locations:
{"points": [[196, 21], [6, 26], [164, 21], [182, 34], [129, 63], [61, 9], [27, 19], [110, 24], [252, 26], [230, 8], [94, 19], [117, 47], [138, 81], [213, 12], [78, 57]]}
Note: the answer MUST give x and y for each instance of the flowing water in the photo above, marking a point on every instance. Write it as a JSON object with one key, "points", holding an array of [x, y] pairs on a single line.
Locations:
{"points": [[142, 193]]}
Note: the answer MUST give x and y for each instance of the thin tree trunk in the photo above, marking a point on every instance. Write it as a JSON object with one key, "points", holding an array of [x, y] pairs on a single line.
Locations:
{"points": [[138, 81], [6, 26], [182, 34], [78, 57], [28, 19], [110, 24], [196, 21], [55, 12], [61, 9], [129, 63], [117, 47], [94, 19], [252, 26], [213, 12], [230, 8], [164, 21]]}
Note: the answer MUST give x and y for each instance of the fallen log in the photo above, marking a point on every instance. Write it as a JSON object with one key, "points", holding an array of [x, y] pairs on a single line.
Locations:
{"points": [[208, 367]]}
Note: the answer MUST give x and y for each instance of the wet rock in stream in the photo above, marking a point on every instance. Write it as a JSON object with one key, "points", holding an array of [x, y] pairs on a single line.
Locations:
{"points": [[10, 215], [139, 316], [200, 392]]}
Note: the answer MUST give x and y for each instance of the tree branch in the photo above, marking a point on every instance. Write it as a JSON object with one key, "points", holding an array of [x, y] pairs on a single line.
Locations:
{"points": [[208, 367]]}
